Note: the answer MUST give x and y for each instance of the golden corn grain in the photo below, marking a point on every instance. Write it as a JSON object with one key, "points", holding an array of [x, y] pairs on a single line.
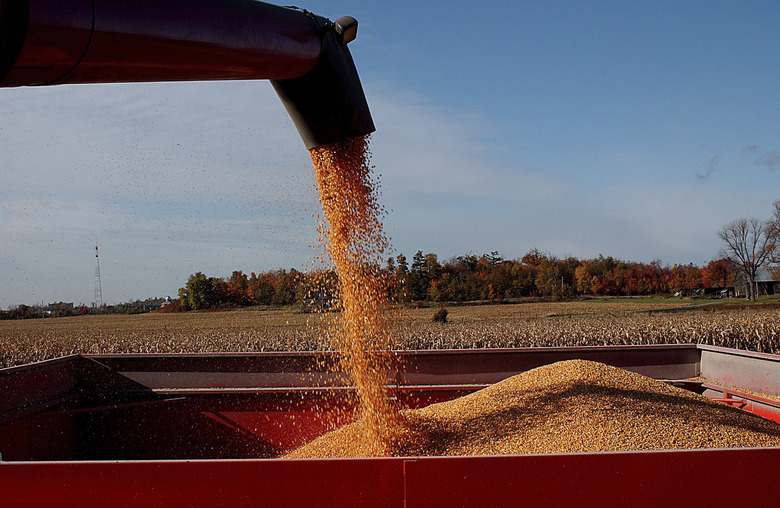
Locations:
{"points": [[355, 243], [567, 407]]}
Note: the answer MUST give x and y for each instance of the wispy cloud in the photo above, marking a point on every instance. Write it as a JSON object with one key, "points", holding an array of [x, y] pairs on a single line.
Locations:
{"points": [[750, 149], [709, 169], [771, 160]]}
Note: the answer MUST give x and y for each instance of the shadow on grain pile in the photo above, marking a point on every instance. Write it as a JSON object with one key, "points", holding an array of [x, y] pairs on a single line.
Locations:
{"points": [[568, 407]]}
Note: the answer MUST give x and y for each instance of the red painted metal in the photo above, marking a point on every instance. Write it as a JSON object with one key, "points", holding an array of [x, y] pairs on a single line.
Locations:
{"points": [[488, 366], [739, 404], [638, 479], [134, 407], [228, 483], [105, 41], [51, 42], [153, 411], [30, 388], [441, 369], [762, 406]]}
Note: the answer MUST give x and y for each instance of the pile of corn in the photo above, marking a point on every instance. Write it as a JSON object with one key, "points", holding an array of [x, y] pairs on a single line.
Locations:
{"points": [[566, 407]]}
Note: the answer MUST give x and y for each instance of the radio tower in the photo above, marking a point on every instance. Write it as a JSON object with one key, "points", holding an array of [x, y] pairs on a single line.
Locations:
{"points": [[98, 285]]}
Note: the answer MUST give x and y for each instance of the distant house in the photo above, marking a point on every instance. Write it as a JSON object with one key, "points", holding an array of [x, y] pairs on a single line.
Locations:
{"points": [[767, 282], [61, 306], [718, 292], [59, 309]]}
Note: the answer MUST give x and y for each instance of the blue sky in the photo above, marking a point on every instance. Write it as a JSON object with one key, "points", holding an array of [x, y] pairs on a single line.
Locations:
{"points": [[634, 130]]}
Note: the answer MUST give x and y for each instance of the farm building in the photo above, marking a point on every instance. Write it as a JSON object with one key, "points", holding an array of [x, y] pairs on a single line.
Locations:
{"points": [[58, 309], [767, 282]]}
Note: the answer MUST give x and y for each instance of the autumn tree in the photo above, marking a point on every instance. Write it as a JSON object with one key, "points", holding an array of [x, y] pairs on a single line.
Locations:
{"points": [[718, 273], [200, 292], [419, 277], [433, 266], [500, 279], [523, 280], [390, 266], [286, 287], [583, 278], [533, 258], [401, 279], [466, 283], [749, 244], [236, 289], [261, 288], [555, 278]]}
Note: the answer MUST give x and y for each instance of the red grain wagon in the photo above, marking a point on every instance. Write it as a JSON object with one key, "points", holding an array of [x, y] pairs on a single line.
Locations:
{"points": [[205, 430]]}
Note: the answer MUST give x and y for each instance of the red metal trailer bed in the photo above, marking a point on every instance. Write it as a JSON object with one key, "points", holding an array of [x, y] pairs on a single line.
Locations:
{"points": [[204, 430]]}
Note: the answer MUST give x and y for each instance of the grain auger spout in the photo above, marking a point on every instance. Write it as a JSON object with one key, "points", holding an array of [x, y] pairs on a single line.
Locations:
{"points": [[52, 42]]}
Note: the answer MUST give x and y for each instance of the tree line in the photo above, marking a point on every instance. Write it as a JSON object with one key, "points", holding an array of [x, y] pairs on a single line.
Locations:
{"points": [[748, 245], [487, 277], [64, 309]]}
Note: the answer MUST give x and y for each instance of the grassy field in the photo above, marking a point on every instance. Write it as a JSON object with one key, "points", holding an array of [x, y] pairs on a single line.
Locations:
{"points": [[587, 322]]}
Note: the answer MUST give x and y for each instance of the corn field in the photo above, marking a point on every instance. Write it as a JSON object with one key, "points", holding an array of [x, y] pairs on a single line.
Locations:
{"points": [[755, 330], [522, 325]]}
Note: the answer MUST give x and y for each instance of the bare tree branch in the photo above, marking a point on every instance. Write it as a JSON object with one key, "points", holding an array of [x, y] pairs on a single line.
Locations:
{"points": [[773, 232], [749, 243]]}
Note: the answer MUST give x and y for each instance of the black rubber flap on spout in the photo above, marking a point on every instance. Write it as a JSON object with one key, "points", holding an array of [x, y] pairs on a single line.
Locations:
{"points": [[327, 104]]}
